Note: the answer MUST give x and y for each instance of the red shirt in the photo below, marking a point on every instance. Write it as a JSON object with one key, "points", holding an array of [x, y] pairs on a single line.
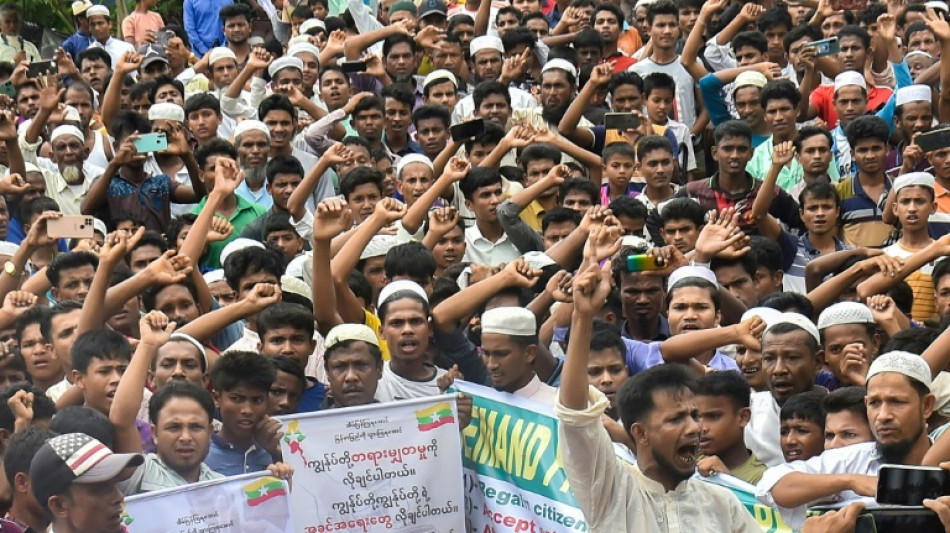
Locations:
{"points": [[823, 100]]}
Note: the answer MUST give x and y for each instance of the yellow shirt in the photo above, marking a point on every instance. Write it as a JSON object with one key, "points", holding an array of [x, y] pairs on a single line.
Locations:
{"points": [[372, 321], [531, 215], [920, 282]]}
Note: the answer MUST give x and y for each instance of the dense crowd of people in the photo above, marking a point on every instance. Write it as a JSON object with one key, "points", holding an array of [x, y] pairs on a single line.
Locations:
{"points": [[713, 235]]}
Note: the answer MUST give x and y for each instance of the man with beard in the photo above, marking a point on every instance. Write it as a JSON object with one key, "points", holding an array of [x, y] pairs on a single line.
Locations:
{"points": [[236, 21], [558, 82], [899, 401], [252, 140], [487, 55], [660, 414], [68, 173]]}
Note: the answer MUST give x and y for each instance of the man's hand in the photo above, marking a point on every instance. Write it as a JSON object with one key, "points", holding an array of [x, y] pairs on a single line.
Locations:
{"points": [[332, 218], [883, 308], [428, 36], [8, 131], [51, 96], [65, 67], [128, 63], [442, 220], [711, 8], [751, 12], [281, 470], [446, 380], [854, 364], [374, 66], [885, 264], [127, 153], [515, 66], [936, 24], [456, 169], [711, 465], [840, 521], [557, 176], [561, 287], [604, 240], [591, 289], [595, 215], [268, 435], [15, 303], [941, 505], [13, 185], [600, 75], [520, 274], [263, 295], [887, 27], [782, 153], [259, 59], [750, 332], [21, 404], [335, 42], [170, 268], [227, 175], [720, 233], [351, 104], [177, 141], [338, 154], [155, 329], [38, 236], [220, 229], [389, 210], [117, 244]]}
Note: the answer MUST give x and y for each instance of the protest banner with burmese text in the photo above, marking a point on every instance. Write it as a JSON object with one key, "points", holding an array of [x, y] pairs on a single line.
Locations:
{"points": [[393, 467], [255, 502]]}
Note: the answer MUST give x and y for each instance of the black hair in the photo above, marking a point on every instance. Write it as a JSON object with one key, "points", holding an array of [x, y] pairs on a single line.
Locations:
{"points": [[786, 327], [625, 206], [143, 88], [518, 36], [237, 368], [867, 127], [401, 93], [181, 389], [777, 16], [568, 54], [635, 399], [557, 215], [747, 262], [798, 33], [855, 31], [179, 32], [33, 315], [354, 140], [755, 39], [150, 294], [360, 286], [103, 344], [432, 111], [372, 102], [819, 191], [941, 269], [624, 78], [619, 149], [216, 146], [302, 12], [283, 164], [658, 81], [276, 102], [902, 295], [278, 221], [405, 294], [663, 7], [733, 128], [126, 123], [493, 134], [81, 419], [730, 384], [589, 37], [69, 261], [767, 253], [650, 143], [508, 10], [805, 406], [149, 238], [43, 406], [283, 314], [360, 176], [202, 101], [613, 8], [252, 260], [164, 80], [93, 54], [84, 87], [477, 178], [36, 207], [683, 209], [337, 23], [811, 131], [235, 10], [283, 363], [605, 336], [487, 88], [913, 340], [324, 69], [539, 152], [21, 448], [411, 259], [780, 90], [458, 20], [583, 185], [846, 399], [699, 283], [868, 16]]}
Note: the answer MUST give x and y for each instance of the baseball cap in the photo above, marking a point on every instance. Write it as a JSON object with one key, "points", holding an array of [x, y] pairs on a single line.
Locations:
{"points": [[75, 458], [350, 332], [151, 53], [433, 7]]}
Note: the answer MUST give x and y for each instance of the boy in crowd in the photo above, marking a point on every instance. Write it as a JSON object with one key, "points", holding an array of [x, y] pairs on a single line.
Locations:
{"points": [[846, 417], [723, 401], [850, 342], [287, 330], [802, 426]]}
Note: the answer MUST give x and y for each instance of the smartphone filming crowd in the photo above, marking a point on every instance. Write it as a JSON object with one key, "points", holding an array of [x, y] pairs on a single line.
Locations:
{"points": [[710, 235]]}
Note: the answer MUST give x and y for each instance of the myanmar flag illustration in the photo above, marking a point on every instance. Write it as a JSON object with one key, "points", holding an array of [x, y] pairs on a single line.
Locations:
{"points": [[264, 489], [293, 437], [438, 415]]}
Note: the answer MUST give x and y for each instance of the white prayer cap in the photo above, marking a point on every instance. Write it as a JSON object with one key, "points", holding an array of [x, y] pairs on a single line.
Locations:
{"points": [[238, 244], [98, 10], [300, 39], [410, 159], [845, 313], [378, 246], [923, 179], [71, 114], [399, 286], [767, 314], [749, 78], [634, 241], [538, 260], [906, 363], [936, 4], [284, 62], [310, 24], [350, 332], [440, 76], [850, 77], [295, 267], [560, 64], [8, 248], [184, 337], [516, 321], [646, 2], [214, 276], [691, 271], [485, 42], [80, 7], [799, 320], [912, 54], [100, 226], [218, 53], [250, 125], [292, 285], [301, 48], [166, 111], [913, 93], [66, 130]]}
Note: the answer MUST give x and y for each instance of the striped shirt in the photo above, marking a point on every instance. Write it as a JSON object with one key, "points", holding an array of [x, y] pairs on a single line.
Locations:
{"points": [[797, 252], [920, 282], [862, 222]]}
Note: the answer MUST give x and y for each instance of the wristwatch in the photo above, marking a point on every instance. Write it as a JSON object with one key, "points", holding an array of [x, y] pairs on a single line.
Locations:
{"points": [[10, 268]]}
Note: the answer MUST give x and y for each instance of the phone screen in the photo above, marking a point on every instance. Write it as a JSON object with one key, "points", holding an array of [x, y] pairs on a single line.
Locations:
{"points": [[151, 142], [467, 130]]}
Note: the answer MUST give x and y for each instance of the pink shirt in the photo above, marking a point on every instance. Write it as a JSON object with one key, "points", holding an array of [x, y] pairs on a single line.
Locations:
{"points": [[136, 25]]}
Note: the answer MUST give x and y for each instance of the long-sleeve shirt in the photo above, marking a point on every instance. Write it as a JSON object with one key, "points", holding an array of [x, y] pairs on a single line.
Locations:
{"points": [[619, 497], [203, 24], [77, 44]]}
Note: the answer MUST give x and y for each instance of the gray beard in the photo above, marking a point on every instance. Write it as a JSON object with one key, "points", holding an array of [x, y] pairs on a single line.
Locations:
{"points": [[72, 174], [254, 176]]}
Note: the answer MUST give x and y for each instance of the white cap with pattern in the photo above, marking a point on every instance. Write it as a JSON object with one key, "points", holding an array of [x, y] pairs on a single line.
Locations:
{"points": [[900, 362], [845, 313], [516, 321], [796, 319]]}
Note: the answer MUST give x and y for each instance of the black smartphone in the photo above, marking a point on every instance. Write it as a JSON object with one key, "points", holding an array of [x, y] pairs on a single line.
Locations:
{"points": [[353, 66], [826, 47], [933, 140], [41, 68], [621, 121], [911, 485], [8, 89], [898, 519], [466, 130]]}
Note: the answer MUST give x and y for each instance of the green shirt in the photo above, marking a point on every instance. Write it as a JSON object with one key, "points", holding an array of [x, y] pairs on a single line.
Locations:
{"points": [[244, 214], [750, 471], [790, 175]]}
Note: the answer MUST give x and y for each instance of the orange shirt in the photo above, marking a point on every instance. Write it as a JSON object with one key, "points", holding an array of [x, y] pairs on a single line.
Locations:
{"points": [[630, 42]]}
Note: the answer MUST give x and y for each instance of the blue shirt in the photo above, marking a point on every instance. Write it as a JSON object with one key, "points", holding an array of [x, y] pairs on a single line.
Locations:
{"points": [[312, 397], [641, 356], [203, 24], [230, 460], [710, 87], [77, 44], [261, 197]]}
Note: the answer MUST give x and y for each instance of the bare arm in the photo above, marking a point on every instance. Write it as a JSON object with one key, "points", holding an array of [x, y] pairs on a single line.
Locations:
{"points": [[446, 315], [93, 314], [332, 217], [882, 282], [590, 291], [682, 348], [297, 205], [209, 324], [768, 226], [416, 214], [797, 488], [355, 45], [110, 107]]}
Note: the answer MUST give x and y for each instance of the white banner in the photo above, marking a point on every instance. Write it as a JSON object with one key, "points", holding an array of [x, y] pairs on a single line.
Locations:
{"points": [[255, 502], [390, 467]]}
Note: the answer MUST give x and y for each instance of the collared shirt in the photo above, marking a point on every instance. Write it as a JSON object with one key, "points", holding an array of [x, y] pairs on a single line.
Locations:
{"points": [[479, 249], [248, 342], [77, 44], [260, 197], [895, 160], [10, 46], [154, 474], [751, 470], [115, 47], [617, 496], [643, 355], [633, 189], [69, 197], [762, 433], [393, 387], [243, 214], [862, 222], [230, 460], [791, 174], [203, 24], [798, 252], [57, 390], [532, 214], [411, 147], [538, 391]]}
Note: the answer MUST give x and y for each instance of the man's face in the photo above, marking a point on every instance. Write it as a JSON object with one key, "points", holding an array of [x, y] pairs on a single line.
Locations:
{"points": [[415, 180], [37, 186], [100, 382], [626, 98], [253, 279], [237, 30], [465, 33], [282, 186], [284, 395], [794, 54], [914, 206], [672, 431], [80, 99], [400, 62], [815, 155], [406, 330], [800, 439], [538, 27], [557, 232], [487, 64], [182, 435], [223, 293], [362, 201], [432, 134], [450, 248], [443, 94], [168, 93], [287, 80], [780, 117], [177, 303], [481, 151], [721, 422], [282, 126], [940, 159], [642, 297], [41, 361], [640, 16], [142, 256], [10, 23], [74, 283], [607, 25], [664, 31], [682, 234], [775, 36], [99, 27], [845, 428], [241, 409], [353, 374], [94, 71], [361, 158], [142, 104], [369, 124], [897, 413], [223, 72], [790, 364], [177, 361], [749, 55], [916, 117], [924, 41], [739, 282], [508, 363], [92, 506], [733, 153], [294, 343], [607, 371], [578, 201], [657, 168], [334, 89], [691, 309], [688, 17], [942, 297], [832, 25], [749, 106], [311, 68], [485, 201], [589, 55], [494, 108], [375, 273], [505, 22], [535, 171], [449, 56], [27, 101], [767, 282], [65, 327], [853, 54], [750, 364], [869, 154], [204, 123]]}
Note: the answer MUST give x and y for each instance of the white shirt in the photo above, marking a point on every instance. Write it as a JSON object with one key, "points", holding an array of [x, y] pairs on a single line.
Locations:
{"points": [[538, 391], [480, 250], [520, 99], [249, 342], [58, 390], [116, 48], [616, 496], [763, 432], [393, 387]]}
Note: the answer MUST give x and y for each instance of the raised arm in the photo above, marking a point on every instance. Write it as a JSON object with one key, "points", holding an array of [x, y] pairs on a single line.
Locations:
{"points": [[355, 45], [297, 205], [209, 324], [881, 282], [694, 42], [97, 195], [332, 218], [517, 137], [798, 488], [682, 348], [111, 254], [591, 288], [584, 137], [454, 172], [827, 292], [127, 64], [257, 61], [941, 29], [769, 227], [51, 97], [447, 315], [587, 158]]}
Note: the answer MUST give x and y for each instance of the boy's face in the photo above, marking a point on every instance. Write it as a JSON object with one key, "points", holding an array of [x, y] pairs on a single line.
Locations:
{"points": [[204, 123], [664, 31], [632, 226], [607, 371], [361, 158], [691, 308], [223, 72], [767, 282], [749, 55], [801, 439], [450, 248], [74, 283], [577, 200], [284, 395], [242, 408], [142, 256], [481, 151], [100, 382], [750, 364], [657, 168], [914, 206], [485, 201], [780, 117], [397, 116], [362, 201], [659, 104], [334, 89], [942, 298], [732, 154], [815, 155], [282, 126], [177, 361], [293, 343], [557, 232], [681, 233], [41, 362], [353, 374], [406, 329], [619, 170], [252, 279], [508, 363], [182, 434], [319, 11], [849, 348], [736, 280], [432, 134], [288, 241], [536, 170], [375, 273], [845, 428], [9, 376], [369, 124], [688, 17], [282, 186], [790, 364], [775, 36], [626, 98], [722, 424], [494, 108], [400, 61]]}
